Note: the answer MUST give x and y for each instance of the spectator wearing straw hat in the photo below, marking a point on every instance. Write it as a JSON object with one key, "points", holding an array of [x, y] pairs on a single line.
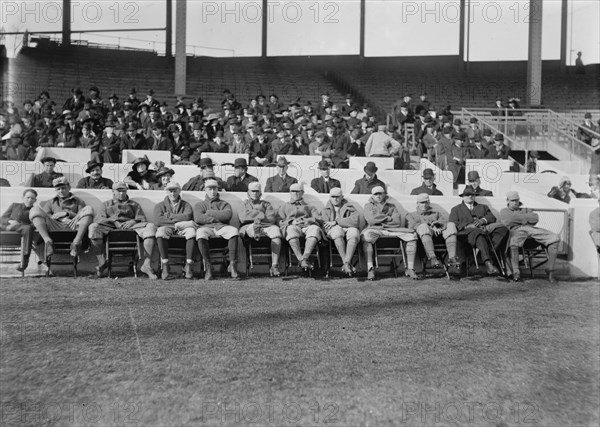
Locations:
{"points": [[95, 179]]}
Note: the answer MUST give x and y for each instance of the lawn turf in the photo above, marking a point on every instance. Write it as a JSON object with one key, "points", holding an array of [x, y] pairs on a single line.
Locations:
{"points": [[299, 352]]}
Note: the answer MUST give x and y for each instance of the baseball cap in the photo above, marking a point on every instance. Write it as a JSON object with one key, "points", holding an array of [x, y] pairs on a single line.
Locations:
{"points": [[61, 180], [211, 183], [254, 186], [378, 189], [172, 185], [119, 185], [296, 187], [336, 191], [423, 197]]}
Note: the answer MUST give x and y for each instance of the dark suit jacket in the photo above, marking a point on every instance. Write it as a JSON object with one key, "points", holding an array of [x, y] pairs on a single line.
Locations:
{"points": [[277, 185], [462, 216], [318, 184]]}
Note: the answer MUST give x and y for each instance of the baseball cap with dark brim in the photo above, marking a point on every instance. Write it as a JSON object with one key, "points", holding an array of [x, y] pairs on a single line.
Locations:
{"points": [[336, 192], [423, 197], [173, 185], [209, 183], [120, 185]]}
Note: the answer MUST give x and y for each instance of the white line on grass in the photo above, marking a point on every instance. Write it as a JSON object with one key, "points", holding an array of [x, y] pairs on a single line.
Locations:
{"points": [[137, 338]]}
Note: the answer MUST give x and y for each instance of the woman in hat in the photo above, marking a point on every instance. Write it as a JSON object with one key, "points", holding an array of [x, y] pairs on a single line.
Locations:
{"points": [[141, 177], [109, 149], [564, 192], [164, 175]]}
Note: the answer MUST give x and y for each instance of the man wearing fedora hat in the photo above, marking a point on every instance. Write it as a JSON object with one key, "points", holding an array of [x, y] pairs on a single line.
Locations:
{"points": [[340, 221], [298, 219], [48, 175], [175, 216], [429, 223], [213, 216], [63, 212], [366, 184], [258, 218], [532, 161], [474, 181], [260, 150], [132, 140], [95, 178], [157, 141], [500, 150], [457, 156], [324, 183], [199, 143], [141, 177], [241, 178], [521, 223], [383, 220], [164, 175], [281, 182], [109, 149], [428, 186], [473, 221], [206, 172], [122, 213]]}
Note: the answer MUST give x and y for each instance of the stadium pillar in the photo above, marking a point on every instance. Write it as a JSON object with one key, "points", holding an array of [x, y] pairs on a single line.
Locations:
{"points": [[169, 30], [362, 28], [66, 23], [180, 51], [534, 63], [564, 16], [265, 21], [461, 38]]}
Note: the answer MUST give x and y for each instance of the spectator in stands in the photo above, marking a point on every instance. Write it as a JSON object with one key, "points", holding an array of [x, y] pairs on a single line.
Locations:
{"points": [[298, 219], [429, 223], [132, 140], [499, 151], [164, 175], [218, 144], [428, 186], [207, 171], [64, 212], [586, 130], [521, 223], [181, 149], [141, 177], [594, 184], [213, 215], [594, 221], [383, 220], [579, 67], [563, 191], [258, 218], [324, 183], [281, 182], [380, 144], [500, 109], [476, 149], [260, 150], [16, 150], [340, 222], [238, 146], [456, 158], [122, 213], [300, 148], [369, 181], [349, 105], [109, 149], [158, 141], [403, 114], [532, 165], [199, 143], [281, 145], [240, 180], [16, 218], [424, 104], [175, 217], [474, 182], [48, 175], [95, 179], [473, 222]]}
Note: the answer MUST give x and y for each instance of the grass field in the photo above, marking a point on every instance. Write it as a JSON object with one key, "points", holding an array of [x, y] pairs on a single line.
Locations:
{"points": [[299, 352]]}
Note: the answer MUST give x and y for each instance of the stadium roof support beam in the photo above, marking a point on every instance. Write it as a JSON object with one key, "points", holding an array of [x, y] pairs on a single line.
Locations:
{"points": [[534, 62], [66, 23], [564, 17], [362, 27], [169, 31], [180, 53], [265, 20], [461, 38]]}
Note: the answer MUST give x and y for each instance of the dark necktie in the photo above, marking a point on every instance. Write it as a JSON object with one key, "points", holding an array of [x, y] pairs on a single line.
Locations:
{"points": [[326, 186]]}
